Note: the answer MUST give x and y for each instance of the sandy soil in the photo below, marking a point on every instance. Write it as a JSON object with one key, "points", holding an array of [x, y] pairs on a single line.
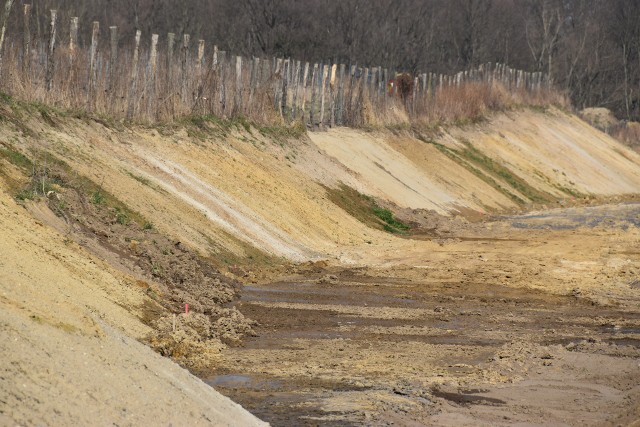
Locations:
{"points": [[237, 191], [68, 329], [531, 322], [466, 320]]}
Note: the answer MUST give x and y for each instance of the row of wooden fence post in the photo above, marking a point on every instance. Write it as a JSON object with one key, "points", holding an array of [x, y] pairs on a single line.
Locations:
{"points": [[325, 94]]}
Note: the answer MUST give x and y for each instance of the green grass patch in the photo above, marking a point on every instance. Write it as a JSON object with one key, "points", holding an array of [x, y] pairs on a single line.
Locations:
{"points": [[475, 156], [97, 198], [296, 130], [6, 98], [140, 179], [16, 158], [365, 209], [488, 170], [48, 172], [570, 192], [391, 223]]}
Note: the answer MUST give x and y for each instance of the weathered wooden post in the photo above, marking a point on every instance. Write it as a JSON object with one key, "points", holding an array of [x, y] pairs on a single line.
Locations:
{"points": [[5, 17], [414, 96], [385, 91], [134, 77], [325, 72], [314, 90], [151, 80], [365, 82], [372, 84], [253, 82], [26, 44], [352, 82], [171, 43], [73, 35], [305, 77], [113, 58], [539, 82], [238, 96], [277, 89], [332, 95], [198, 78], [200, 58], [223, 82], [295, 90], [52, 48], [184, 77], [381, 83], [286, 65], [341, 95], [91, 93]]}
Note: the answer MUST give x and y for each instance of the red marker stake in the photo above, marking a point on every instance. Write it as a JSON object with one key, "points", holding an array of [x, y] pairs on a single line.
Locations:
{"points": [[186, 309]]}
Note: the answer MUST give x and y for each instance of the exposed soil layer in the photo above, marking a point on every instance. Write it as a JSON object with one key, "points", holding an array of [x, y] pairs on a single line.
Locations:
{"points": [[169, 273], [452, 343]]}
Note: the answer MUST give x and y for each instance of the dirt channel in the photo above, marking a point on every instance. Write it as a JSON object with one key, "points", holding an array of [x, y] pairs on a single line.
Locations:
{"points": [[534, 322]]}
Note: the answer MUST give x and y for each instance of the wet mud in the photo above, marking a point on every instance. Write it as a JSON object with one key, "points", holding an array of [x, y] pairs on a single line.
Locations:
{"points": [[405, 346]]}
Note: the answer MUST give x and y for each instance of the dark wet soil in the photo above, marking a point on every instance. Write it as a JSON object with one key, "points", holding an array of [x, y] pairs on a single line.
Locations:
{"points": [[405, 342], [480, 316]]}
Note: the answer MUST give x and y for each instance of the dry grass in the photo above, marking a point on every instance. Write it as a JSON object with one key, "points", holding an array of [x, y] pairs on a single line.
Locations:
{"points": [[628, 133], [188, 86], [469, 102]]}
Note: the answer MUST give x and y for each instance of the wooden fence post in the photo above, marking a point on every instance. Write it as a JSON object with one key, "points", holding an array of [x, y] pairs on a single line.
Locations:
{"points": [[340, 118], [200, 58], [73, 35], [286, 65], [5, 17], [380, 95], [151, 79], [223, 82], [295, 90], [365, 82], [134, 78], [52, 47], [322, 89], [414, 95], [184, 90], [332, 93], [26, 44], [314, 90], [238, 96], [253, 82], [385, 91], [91, 93], [349, 104], [113, 58], [305, 77], [277, 75], [171, 42]]}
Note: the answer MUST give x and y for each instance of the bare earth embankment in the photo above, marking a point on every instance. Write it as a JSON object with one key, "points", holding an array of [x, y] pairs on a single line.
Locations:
{"points": [[387, 275]]}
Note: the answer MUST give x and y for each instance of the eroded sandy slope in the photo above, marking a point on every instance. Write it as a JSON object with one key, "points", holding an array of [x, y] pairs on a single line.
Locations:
{"points": [[554, 153], [236, 190], [68, 324]]}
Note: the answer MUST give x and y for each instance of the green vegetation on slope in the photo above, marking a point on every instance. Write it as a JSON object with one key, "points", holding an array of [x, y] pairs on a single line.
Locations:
{"points": [[365, 209], [48, 173], [491, 171]]}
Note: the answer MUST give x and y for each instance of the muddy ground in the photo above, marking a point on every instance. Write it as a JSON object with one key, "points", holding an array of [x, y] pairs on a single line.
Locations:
{"points": [[529, 319]]}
